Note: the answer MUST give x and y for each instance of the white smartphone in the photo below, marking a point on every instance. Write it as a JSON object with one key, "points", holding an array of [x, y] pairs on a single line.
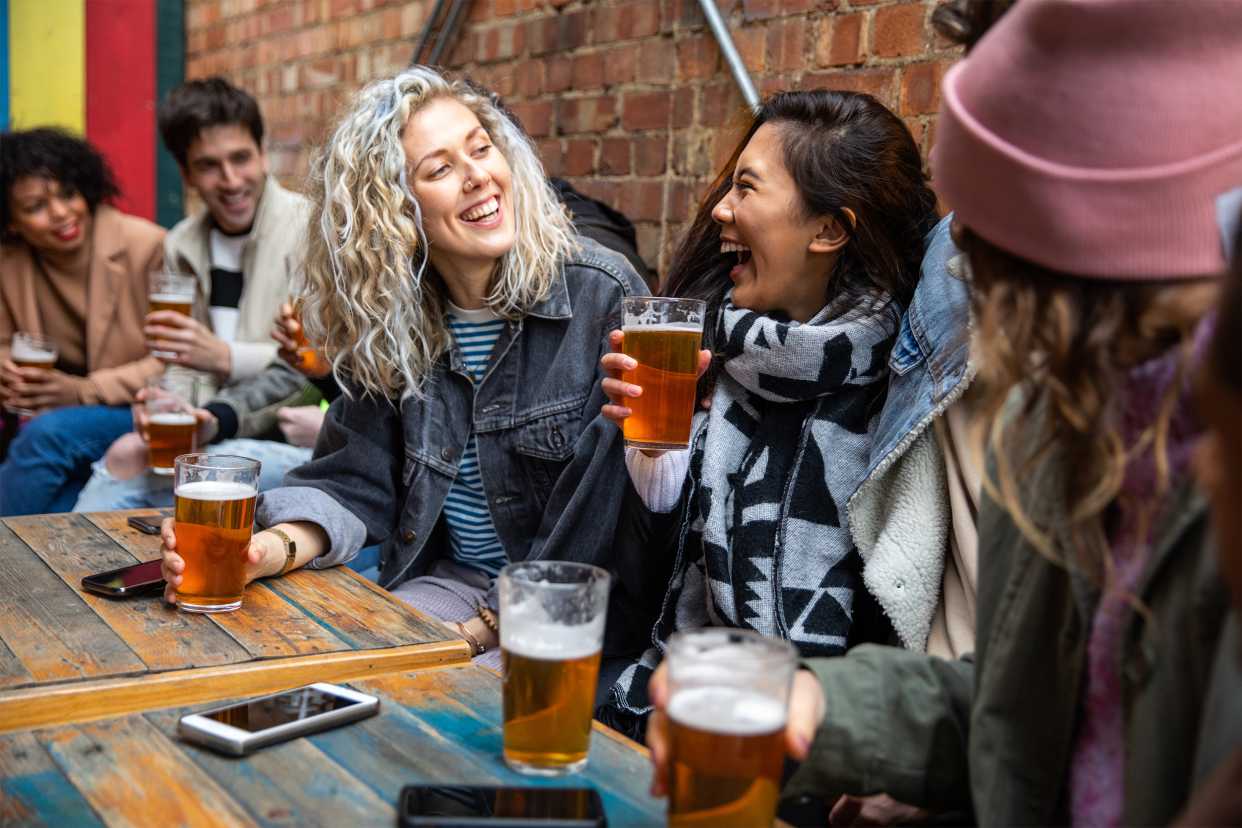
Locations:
{"points": [[242, 728]]}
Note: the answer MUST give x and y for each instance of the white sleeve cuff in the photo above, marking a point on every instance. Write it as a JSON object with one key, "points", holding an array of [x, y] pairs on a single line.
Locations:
{"points": [[658, 480]]}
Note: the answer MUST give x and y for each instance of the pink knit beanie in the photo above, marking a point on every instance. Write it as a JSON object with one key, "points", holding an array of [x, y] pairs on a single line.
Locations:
{"points": [[1092, 136]]}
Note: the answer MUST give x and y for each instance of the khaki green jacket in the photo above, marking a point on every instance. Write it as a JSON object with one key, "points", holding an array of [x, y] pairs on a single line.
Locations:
{"points": [[994, 733]]}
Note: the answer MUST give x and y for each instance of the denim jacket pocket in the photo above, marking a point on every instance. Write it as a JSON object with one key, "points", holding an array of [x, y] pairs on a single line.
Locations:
{"points": [[546, 446], [906, 354]]}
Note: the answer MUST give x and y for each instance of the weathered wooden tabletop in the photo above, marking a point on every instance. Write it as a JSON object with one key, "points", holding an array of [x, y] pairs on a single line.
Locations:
{"points": [[434, 727], [67, 655]]}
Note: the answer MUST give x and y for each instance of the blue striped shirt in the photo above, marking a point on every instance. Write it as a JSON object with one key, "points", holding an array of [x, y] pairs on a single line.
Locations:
{"points": [[471, 531]]}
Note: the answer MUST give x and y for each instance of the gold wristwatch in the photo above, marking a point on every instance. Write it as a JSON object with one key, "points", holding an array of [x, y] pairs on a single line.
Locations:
{"points": [[291, 549]]}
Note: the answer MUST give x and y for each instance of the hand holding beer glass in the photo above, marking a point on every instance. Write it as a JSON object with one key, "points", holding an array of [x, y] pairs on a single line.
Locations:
{"points": [[725, 703], [215, 500], [552, 616], [172, 425], [652, 382], [28, 351], [169, 292]]}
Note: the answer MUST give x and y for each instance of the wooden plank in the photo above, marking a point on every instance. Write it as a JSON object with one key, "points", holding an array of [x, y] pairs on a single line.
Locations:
{"points": [[266, 625], [290, 784], [36, 792], [48, 627], [142, 546], [83, 701], [12, 672], [132, 774], [463, 706], [355, 610], [163, 638]]}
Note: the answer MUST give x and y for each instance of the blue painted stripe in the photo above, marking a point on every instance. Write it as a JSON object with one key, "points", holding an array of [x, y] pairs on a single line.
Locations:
{"points": [[47, 798]]}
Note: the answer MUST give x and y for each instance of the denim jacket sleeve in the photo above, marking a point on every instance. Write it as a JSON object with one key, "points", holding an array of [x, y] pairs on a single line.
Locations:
{"points": [[357, 465]]}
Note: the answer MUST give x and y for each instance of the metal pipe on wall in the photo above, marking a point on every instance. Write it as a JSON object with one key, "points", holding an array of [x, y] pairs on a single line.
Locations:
{"points": [[725, 41]]}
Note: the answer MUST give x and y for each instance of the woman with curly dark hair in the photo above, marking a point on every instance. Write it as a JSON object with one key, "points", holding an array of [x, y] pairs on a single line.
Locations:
{"points": [[74, 268]]}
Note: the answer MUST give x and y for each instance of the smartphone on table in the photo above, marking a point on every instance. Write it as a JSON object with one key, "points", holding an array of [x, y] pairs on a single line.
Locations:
{"points": [[147, 524], [128, 580], [244, 728], [442, 806]]}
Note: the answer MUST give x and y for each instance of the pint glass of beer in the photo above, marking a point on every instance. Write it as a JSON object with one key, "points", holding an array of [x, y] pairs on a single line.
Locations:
{"points": [[305, 350], [28, 350], [728, 696], [663, 336], [171, 424], [215, 495], [170, 291], [551, 633]]}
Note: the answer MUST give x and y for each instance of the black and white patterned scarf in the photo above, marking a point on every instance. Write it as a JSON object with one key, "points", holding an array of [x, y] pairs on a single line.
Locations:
{"points": [[765, 539]]}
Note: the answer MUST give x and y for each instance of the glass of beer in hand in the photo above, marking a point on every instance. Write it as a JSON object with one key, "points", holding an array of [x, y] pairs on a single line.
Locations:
{"points": [[305, 351], [728, 697], [171, 292], [551, 633], [215, 496], [663, 336], [172, 427], [28, 350]]}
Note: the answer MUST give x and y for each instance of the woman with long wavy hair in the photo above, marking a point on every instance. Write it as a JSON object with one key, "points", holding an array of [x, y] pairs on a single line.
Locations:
{"points": [[1088, 149], [465, 322]]}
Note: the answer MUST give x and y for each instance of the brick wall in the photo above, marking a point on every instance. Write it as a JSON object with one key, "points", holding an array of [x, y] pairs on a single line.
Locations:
{"points": [[628, 99]]}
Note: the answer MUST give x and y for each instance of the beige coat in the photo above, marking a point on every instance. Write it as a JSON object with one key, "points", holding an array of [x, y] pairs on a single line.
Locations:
{"points": [[123, 250], [278, 233]]}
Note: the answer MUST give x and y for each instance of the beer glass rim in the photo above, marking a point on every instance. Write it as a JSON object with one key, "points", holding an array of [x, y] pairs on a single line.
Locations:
{"points": [[774, 649], [590, 573], [35, 338], [700, 304], [188, 460]]}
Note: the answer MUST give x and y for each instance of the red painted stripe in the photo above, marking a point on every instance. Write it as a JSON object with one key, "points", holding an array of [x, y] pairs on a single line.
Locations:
{"points": [[120, 95]]}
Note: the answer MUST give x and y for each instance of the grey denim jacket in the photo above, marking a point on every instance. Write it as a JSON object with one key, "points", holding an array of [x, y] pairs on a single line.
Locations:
{"points": [[553, 469]]}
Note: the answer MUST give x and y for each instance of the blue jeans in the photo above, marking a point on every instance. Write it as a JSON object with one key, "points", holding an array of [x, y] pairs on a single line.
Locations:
{"points": [[104, 493], [50, 459]]}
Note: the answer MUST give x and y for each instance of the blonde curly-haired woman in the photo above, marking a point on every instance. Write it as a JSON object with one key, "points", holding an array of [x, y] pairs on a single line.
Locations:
{"points": [[467, 322]]}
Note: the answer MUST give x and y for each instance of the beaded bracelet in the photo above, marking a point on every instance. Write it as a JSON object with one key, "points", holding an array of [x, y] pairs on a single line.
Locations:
{"points": [[487, 619]]}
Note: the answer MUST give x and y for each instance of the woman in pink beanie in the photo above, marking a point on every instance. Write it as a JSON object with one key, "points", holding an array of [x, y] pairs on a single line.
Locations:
{"points": [[1086, 147]]}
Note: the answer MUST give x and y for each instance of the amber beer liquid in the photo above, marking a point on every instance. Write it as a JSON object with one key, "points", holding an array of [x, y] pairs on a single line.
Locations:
{"points": [[726, 754], [169, 435], [548, 676], [214, 523], [668, 363], [31, 351], [305, 351]]}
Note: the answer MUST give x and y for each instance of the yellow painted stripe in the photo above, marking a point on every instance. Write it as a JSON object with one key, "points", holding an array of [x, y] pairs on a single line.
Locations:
{"points": [[47, 50]]}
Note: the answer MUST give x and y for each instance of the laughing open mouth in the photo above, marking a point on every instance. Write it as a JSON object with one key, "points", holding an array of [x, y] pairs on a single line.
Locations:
{"points": [[742, 251], [484, 212]]}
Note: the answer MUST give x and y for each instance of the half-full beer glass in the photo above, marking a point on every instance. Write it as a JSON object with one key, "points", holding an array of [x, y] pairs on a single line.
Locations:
{"points": [[171, 424], [663, 336], [728, 697], [305, 350], [215, 495], [28, 350], [551, 632], [170, 291]]}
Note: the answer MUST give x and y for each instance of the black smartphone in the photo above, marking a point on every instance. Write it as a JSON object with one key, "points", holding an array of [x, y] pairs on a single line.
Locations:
{"points": [[129, 580], [422, 806], [146, 523]]}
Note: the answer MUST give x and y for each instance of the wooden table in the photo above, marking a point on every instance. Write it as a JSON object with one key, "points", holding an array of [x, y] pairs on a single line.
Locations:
{"points": [[67, 655], [434, 727]]}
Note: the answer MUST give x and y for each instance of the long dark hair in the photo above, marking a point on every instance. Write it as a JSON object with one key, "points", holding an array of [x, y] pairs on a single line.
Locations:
{"points": [[844, 150], [55, 155]]}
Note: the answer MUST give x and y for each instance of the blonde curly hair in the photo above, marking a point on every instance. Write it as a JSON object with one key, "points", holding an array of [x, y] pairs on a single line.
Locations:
{"points": [[368, 298]]}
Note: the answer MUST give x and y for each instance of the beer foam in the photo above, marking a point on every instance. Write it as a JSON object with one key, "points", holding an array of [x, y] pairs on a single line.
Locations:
{"points": [[664, 327], [26, 352], [728, 710], [215, 490], [550, 642], [172, 298], [173, 418]]}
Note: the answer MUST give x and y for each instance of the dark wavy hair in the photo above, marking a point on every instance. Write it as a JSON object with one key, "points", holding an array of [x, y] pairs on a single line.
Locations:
{"points": [[845, 150], [54, 155], [198, 104]]}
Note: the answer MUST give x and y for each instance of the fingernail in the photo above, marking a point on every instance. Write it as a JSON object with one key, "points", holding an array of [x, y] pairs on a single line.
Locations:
{"points": [[630, 365]]}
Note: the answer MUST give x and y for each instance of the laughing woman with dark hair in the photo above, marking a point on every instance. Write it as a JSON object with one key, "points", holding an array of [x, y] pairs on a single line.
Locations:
{"points": [[73, 268], [807, 251]]}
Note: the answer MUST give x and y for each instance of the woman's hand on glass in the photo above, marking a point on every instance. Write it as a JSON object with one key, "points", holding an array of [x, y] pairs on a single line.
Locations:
{"points": [[38, 389], [806, 712], [265, 555], [285, 331], [620, 392]]}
